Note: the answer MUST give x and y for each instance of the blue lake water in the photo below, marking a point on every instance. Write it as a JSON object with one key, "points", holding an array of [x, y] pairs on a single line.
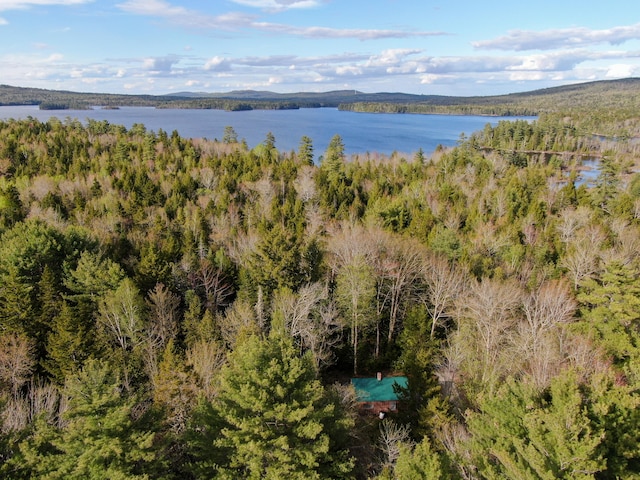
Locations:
{"points": [[360, 132]]}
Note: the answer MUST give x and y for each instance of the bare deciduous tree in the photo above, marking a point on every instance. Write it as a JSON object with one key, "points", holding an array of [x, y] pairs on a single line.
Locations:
{"points": [[355, 293], [552, 304], [571, 221], [163, 315], [16, 361], [312, 319], [442, 284], [206, 359], [400, 267], [41, 399], [212, 282], [392, 438], [305, 183], [162, 324], [239, 318], [490, 306], [581, 262]]}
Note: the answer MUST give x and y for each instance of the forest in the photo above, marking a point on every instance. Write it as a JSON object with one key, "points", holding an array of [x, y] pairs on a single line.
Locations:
{"points": [[177, 308], [620, 97]]}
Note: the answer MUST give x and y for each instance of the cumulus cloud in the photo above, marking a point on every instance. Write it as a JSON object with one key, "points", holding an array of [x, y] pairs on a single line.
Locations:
{"points": [[519, 40], [217, 64], [622, 70], [406, 64]]}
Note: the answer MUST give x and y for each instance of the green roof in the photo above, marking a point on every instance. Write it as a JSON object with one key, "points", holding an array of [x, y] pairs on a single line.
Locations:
{"points": [[374, 390]]}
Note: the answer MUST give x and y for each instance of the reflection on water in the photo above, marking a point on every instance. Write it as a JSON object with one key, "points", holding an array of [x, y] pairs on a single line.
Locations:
{"points": [[588, 172]]}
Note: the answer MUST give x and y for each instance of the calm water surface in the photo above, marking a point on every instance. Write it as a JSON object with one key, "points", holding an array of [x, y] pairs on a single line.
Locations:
{"points": [[360, 132]]}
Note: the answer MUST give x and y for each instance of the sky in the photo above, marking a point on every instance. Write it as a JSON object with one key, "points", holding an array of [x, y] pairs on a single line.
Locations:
{"points": [[430, 47]]}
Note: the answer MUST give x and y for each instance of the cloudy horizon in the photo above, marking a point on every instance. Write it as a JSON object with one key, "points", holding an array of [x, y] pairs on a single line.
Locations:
{"points": [[411, 46]]}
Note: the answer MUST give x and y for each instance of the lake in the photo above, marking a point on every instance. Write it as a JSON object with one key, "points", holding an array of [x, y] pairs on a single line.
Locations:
{"points": [[360, 132]]}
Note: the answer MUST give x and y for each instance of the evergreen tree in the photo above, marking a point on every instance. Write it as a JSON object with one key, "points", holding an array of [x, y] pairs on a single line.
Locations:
{"points": [[421, 462], [100, 438], [423, 406], [275, 263], [271, 418], [70, 341], [610, 308], [550, 435], [305, 151]]}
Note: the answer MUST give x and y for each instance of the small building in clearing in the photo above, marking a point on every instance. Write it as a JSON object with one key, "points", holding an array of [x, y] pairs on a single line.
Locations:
{"points": [[377, 395]]}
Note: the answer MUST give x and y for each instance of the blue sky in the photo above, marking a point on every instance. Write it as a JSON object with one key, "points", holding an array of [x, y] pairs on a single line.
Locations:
{"points": [[443, 47]]}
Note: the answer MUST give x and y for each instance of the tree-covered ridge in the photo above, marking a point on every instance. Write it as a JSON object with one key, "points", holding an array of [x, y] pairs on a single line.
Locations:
{"points": [[174, 308], [617, 102], [608, 101]]}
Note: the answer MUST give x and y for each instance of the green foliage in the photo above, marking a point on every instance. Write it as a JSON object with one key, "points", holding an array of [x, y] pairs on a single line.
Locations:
{"points": [[275, 263], [272, 418], [93, 217], [567, 431], [610, 308], [423, 407], [70, 341], [305, 152], [100, 438], [420, 463], [11, 209], [93, 276]]}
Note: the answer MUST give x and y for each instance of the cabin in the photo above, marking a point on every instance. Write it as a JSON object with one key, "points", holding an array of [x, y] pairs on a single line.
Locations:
{"points": [[377, 395]]}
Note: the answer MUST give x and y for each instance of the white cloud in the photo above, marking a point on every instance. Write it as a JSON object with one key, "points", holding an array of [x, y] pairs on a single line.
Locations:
{"points": [[622, 70], [20, 4], [6, 5], [278, 4], [160, 64], [518, 40], [154, 8], [185, 17], [349, 70], [391, 57], [236, 21], [526, 76], [217, 64], [328, 32]]}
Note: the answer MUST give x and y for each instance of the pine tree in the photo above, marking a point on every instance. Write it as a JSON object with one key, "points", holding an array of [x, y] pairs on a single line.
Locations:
{"points": [[520, 433], [610, 307], [271, 418], [100, 440], [422, 462]]}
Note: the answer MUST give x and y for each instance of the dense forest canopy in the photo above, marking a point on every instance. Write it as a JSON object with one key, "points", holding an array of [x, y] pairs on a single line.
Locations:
{"points": [[185, 308]]}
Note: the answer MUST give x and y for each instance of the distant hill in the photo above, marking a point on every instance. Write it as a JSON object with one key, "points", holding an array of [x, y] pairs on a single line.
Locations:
{"points": [[608, 94]]}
